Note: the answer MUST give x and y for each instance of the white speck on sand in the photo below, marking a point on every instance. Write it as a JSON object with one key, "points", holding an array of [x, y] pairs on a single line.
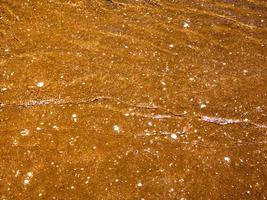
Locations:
{"points": [[181, 180], [55, 127], [171, 45], [202, 105], [192, 79], [30, 174], [24, 132], [139, 184], [26, 182], [186, 24], [40, 84], [17, 173], [27, 178], [116, 128], [227, 159], [174, 136], [3, 89], [15, 142], [163, 82], [74, 117]]}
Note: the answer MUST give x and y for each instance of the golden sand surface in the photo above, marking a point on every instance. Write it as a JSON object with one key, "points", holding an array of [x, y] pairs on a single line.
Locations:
{"points": [[133, 99]]}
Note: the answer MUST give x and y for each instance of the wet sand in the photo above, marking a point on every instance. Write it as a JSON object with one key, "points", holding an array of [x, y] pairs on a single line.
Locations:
{"points": [[133, 99]]}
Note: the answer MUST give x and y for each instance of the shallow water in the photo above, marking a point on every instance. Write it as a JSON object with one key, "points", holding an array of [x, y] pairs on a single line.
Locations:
{"points": [[133, 99]]}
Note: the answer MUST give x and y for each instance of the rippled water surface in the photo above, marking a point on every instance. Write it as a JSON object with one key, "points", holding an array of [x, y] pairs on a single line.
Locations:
{"points": [[134, 99]]}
